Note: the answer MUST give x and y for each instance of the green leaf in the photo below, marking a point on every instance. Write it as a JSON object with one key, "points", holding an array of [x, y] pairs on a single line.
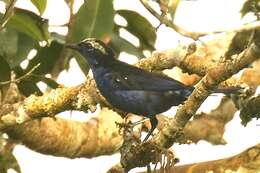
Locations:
{"points": [[95, 18], [58, 37], [30, 23], [29, 86], [250, 6], [8, 43], [82, 62], [47, 57], [26, 87], [140, 27], [40, 5], [24, 45], [119, 45], [239, 43], [5, 75], [15, 46], [48, 81]]}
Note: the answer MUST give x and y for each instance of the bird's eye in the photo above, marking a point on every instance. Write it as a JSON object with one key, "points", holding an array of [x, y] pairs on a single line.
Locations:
{"points": [[80, 44], [89, 45]]}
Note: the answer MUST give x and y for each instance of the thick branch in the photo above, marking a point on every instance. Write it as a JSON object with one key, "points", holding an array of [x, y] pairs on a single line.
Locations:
{"points": [[67, 138], [177, 57], [82, 97], [211, 127]]}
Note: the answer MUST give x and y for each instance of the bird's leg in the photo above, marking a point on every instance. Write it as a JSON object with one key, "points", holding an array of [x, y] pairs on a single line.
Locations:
{"points": [[130, 124], [154, 122], [139, 122], [126, 117], [123, 124], [149, 168]]}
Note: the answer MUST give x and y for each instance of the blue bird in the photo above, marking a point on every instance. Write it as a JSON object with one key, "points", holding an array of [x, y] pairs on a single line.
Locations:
{"points": [[129, 88]]}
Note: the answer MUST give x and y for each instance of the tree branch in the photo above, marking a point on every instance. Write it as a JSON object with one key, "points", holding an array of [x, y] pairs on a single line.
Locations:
{"points": [[195, 35], [82, 97], [211, 126], [67, 138], [8, 14], [169, 23]]}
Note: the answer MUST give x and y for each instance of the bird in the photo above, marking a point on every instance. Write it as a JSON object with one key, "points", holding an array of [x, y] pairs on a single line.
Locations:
{"points": [[129, 88]]}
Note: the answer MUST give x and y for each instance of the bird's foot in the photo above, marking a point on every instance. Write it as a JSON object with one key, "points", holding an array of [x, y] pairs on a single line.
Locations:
{"points": [[123, 125], [149, 170], [138, 122], [154, 123], [130, 124], [128, 133]]}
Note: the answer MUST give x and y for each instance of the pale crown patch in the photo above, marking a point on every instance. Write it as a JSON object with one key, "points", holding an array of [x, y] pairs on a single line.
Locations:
{"points": [[94, 43]]}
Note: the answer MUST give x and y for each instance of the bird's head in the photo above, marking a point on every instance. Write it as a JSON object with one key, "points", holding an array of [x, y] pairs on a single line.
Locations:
{"points": [[95, 51]]}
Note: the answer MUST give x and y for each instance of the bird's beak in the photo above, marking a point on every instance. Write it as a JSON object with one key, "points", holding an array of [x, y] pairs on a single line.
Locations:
{"points": [[72, 46]]}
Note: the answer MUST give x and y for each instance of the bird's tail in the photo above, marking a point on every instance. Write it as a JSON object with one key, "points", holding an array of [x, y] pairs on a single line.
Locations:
{"points": [[230, 90]]}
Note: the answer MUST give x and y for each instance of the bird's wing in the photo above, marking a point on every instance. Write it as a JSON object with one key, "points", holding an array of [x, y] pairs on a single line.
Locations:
{"points": [[132, 78]]}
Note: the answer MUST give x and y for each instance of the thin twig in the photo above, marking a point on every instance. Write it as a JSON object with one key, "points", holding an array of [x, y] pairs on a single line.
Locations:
{"points": [[62, 25], [8, 14], [65, 54], [71, 4], [196, 35], [22, 77], [245, 27], [169, 23]]}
